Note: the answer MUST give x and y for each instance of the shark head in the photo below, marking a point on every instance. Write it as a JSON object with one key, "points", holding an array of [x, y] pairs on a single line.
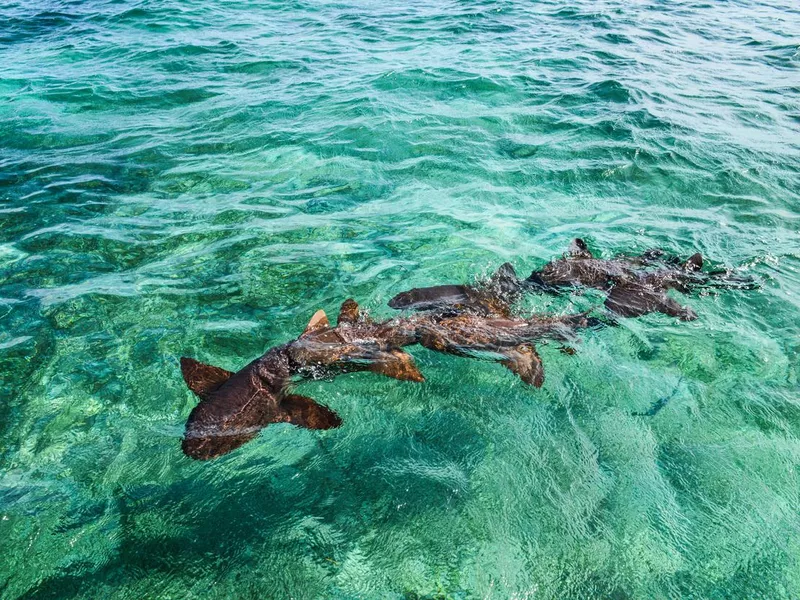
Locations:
{"points": [[235, 407]]}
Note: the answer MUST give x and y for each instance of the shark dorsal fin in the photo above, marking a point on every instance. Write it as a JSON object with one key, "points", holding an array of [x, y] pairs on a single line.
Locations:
{"points": [[348, 313], [505, 282], [201, 378], [317, 322], [694, 263], [579, 249], [504, 274]]}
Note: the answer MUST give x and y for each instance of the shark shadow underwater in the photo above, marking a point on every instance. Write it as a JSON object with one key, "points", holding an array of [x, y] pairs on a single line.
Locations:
{"points": [[470, 321]]}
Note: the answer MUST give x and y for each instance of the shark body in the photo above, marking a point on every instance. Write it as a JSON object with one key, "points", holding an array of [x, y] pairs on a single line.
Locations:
{"points": [[472, 321], [635, 285], [234, 407]]}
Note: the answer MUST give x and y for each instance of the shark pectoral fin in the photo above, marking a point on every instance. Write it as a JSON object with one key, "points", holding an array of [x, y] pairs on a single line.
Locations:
{"points": [[579, 249], [317, 322], [349, 312], [525, 362], [670, 307], [632, 300], [201, 378], [304, 412], [397, 365]]}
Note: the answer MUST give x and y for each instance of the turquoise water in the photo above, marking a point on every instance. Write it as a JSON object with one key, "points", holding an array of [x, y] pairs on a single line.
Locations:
{"points": [[198, 177]]}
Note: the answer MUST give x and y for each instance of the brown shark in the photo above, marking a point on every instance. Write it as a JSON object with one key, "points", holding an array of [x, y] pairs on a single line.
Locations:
{"points": [[636, 285], [234, 407], [579, 267]]}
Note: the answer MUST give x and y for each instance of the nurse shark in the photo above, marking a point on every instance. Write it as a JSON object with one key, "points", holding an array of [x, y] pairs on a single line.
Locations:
{"points": [[234, 407], [635, 285]]}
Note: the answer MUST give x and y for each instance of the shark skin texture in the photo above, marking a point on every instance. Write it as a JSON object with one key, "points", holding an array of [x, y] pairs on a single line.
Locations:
{"points": [[491, 298], [511, 340], [636, 285], [474, 321], [234, 407]]}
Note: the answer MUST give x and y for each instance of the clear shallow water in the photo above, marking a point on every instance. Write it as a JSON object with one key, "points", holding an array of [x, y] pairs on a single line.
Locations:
{"points": [[197, 178]]}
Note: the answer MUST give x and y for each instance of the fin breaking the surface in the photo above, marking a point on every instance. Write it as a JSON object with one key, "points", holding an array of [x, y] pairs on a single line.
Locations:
{"points": [[349, 312], [505, 281], [318, 321], [579, 249], [693, 263]]}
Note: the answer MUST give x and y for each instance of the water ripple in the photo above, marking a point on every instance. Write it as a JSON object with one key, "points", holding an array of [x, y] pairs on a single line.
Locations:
{"points": [[197, 178]]}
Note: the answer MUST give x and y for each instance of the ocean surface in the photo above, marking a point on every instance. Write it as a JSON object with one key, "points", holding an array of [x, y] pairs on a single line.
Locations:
{"points": [[197, 177]]}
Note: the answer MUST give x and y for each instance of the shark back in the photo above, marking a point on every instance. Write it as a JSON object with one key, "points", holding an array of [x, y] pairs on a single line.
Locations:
{"points": [[229, 415], [235, 407]]}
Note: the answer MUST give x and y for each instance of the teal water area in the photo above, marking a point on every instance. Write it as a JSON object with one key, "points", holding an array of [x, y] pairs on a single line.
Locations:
{"points": [[198, 177]]}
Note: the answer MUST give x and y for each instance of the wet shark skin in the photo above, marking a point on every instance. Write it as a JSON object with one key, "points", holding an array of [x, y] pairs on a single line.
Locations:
{"points": [[462, 320], [234, 407]]}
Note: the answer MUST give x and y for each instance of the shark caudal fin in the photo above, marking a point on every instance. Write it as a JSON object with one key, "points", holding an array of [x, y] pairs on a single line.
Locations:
{"points": [[304, 412]]}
